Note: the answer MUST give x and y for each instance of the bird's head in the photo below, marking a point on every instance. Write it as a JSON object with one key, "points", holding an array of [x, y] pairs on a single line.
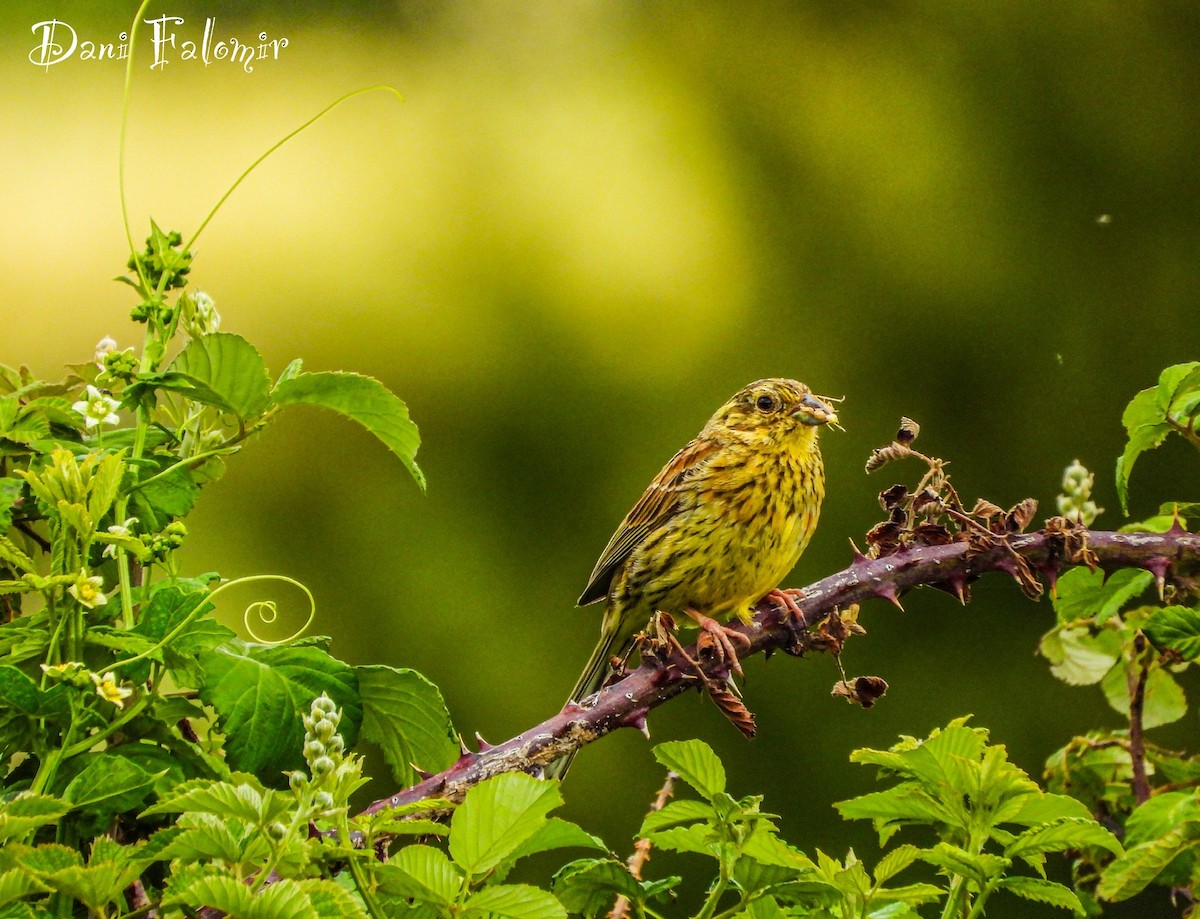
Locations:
{"points": [[774, 410]]}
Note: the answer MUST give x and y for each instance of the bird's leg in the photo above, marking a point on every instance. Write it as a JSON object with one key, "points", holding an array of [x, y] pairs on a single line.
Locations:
{"points": [[721, 640], [787, 599]]}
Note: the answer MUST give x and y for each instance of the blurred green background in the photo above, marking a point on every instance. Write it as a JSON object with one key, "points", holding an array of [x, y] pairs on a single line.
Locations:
{"points": [[588, 225]]}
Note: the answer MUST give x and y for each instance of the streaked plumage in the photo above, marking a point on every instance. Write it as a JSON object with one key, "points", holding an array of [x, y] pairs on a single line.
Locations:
{"points": [[723, 522]]}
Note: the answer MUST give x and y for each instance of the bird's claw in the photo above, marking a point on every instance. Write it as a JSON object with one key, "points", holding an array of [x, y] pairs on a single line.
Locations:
{"points": [[720, 639], [787, 599]]}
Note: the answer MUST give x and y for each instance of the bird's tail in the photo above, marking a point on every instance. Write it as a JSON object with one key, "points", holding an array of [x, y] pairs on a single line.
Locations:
{"points": [[592, 678]]}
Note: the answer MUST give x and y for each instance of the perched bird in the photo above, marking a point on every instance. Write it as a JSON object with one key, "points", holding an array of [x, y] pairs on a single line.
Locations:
{"points": [[723, 522]]}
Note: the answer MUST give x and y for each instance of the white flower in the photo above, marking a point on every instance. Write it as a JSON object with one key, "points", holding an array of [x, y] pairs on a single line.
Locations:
{"points": [[109, 690], [89, 591], [64, 671], [119, 530], [105, 346], [98, 408], [204, 318]]}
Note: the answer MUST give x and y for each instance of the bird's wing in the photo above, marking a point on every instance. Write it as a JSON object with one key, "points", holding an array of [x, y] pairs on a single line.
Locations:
{"points": [[658, 504]]}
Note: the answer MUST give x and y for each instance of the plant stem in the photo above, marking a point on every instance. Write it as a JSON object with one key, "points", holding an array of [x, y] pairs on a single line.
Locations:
{"points": [[1137, 703]]}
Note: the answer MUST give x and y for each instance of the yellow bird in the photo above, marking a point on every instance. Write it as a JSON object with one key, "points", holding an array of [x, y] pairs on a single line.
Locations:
{"points": [[723, 522]]}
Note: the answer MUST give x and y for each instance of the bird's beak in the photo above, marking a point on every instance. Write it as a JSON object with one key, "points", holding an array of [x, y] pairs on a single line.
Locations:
{"points": [[813, 411]]}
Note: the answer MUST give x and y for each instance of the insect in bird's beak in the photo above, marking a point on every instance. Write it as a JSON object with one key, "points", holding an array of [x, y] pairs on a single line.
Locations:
{"points": [[813, 411]]}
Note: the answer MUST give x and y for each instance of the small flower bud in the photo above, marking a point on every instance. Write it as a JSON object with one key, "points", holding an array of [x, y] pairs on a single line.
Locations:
{"points": [[323, 800], [322, 765]]}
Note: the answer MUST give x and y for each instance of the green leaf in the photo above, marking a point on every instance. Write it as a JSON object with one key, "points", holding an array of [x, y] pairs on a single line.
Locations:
{"points": [[174, 495], [423, 873], [1141, 864], [109, 785], [16, 883], [894, 862], [284, 899], [362, 399], [1164, 700], [207, 836], [1043, 892], [1146, 427], [330, 900], [513, 901], [10, 491], [244, 800], [1035, 809], [557, 833], [261, 694], [1078, 656], [1176, 628], [682, 811], [497, 817], [1069, 833], [905, 802], [978, 867], [1085, 594], [28, 812], [19, 691], [406, 716], [696, 838], [695, 762], [589, 886], [226, 372]]}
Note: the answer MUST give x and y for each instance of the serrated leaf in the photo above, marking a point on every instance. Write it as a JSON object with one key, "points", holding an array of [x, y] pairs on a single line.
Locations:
{"points": [[284, 899], [10, 491], [1084, 594], [16, 883], [244, 800], [174, 495], [27, 812], [695, 838], [904, 802], [362, 399], [695, 762], [589, 886], [1079, 657], [1141, 864], [109, 785], [330, 900], [681, 811], [513, 901], [1164, 700], [423, 873], [207, 836], [18, 691], [1043, 891], [1176, 628], [261, 693], [229, 373], [910, 894], [497, 817], [1146, 428], [978, 867], [1036, 809], [894, 862], [406, 716], [557, 833], [1069, 833]]}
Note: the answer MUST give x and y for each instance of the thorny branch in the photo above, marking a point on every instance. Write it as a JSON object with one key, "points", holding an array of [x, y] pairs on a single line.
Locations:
{"points": [[950, 566]]}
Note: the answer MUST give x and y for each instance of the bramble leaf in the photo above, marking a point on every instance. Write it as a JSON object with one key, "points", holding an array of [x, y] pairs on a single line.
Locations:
{"points": [[406, 716], [497, 817], [223, 370], [695, 762], [513, 901], [362, 399], [1176, 628], [261, 694]]}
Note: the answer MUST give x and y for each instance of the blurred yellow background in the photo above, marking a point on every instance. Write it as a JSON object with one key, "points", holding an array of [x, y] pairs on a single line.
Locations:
{"points": [[587, 226]]}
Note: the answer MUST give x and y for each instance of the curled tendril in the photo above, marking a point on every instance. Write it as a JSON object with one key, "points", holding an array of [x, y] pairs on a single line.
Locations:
{"points": [[266, 610]]}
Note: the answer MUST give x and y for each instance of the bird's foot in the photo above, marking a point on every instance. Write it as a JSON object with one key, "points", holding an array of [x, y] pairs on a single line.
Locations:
{"points": [[719, 641], [788, 600]]}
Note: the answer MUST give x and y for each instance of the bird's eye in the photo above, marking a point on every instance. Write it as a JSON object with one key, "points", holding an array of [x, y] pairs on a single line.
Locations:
{"points": [[766, 403]]}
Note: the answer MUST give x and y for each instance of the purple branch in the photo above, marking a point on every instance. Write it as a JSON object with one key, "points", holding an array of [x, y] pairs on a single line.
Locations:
{"points": [[948, 567]]}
